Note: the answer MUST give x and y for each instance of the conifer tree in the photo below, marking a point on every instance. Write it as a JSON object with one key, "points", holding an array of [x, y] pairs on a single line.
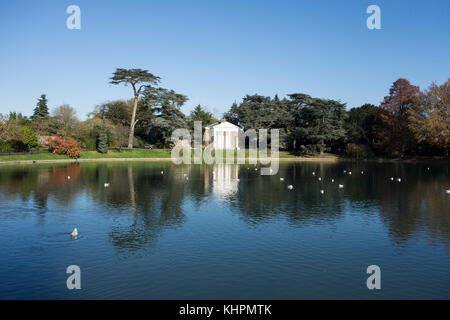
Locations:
{"points": [[41, 111]]}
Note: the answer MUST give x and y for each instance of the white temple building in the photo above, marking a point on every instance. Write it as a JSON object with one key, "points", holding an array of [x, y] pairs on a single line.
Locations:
{"points": [[223, 135]]}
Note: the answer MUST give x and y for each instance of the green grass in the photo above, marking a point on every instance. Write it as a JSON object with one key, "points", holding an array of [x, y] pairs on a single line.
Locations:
{"points": [[135, 153], [131, 154], [25, 157], [112, 154]]}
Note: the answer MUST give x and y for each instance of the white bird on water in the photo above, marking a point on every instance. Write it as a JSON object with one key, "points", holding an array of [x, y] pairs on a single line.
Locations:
{"points": [[350, 172], [313, 173], [322, 192], [332, 180], [362, 172], [290, 187], [106, 185], [392, 178], [320, 179], [162, 172], [399, 179], [341, 186], [74, 233], [281, 179]]}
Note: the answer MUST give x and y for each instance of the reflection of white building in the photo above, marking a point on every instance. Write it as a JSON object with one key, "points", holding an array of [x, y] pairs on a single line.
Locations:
{"points": [[225, 181], [223, 134]]}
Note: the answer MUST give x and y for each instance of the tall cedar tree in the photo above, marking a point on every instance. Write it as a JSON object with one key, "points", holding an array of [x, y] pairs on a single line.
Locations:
{"points": [[161, 109], [260, 112], [138, 79], [360, 124], [318, 123]]}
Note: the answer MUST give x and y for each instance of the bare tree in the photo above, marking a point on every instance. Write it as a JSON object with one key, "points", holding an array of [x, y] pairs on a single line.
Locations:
{"points": [[66, 119]]}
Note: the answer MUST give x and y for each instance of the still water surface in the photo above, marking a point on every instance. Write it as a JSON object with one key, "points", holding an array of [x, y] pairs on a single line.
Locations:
{"points": [[196, 232]]}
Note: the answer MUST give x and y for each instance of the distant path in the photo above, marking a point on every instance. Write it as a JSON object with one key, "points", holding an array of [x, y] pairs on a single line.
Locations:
{"points": [[284, 158]]}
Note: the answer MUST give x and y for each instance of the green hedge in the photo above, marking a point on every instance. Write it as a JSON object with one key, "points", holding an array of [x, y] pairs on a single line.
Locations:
{"points": [[5, 146]]}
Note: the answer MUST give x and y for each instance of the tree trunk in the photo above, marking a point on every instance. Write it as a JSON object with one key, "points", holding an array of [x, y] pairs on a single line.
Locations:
{"points": [[133, 122]]}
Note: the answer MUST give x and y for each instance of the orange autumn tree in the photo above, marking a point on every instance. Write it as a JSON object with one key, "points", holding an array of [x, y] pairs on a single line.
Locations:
{"points": [[393, 128], [430, 119]]}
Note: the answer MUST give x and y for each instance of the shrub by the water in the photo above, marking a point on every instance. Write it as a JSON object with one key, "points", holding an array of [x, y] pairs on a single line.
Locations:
{"points": [[30, 139], [88, 143], [354, 150], [68, 146]]}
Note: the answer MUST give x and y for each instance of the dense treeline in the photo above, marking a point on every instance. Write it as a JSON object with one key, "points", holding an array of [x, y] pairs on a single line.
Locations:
{"points": [[407, 122]]}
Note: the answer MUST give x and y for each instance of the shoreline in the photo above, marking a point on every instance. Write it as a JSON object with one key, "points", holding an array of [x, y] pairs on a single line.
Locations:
{"points": [[146, 160], [293, 159]]}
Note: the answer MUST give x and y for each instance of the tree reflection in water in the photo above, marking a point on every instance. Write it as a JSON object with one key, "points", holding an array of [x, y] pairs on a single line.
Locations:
{"points": [[157, 201]]}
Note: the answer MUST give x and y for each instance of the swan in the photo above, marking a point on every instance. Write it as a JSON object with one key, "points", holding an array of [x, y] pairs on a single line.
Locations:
{"points": [[106, 185], [332, 180], [350, 172], [320, 179], [313, 173], [290, 187], [281, 179], [341, 186], [322, 192], [74, 232]]}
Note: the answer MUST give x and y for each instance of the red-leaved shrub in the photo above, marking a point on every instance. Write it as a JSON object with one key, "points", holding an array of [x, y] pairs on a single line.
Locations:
{"points": [[68, 146]]}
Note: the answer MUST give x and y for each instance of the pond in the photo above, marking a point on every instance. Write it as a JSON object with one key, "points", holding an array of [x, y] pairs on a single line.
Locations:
{"points": [[161, 231]]}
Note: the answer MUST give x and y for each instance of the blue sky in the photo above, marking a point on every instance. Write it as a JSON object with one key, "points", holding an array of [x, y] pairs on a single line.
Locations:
{"points": [[216, 52]]}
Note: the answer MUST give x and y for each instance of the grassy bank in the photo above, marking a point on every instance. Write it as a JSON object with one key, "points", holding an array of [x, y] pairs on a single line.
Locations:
{"points": [[136, 154]]}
